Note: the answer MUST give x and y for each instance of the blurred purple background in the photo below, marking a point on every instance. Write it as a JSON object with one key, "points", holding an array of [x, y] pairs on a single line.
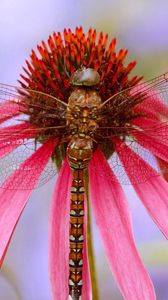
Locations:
{"points": [[140, 26]]}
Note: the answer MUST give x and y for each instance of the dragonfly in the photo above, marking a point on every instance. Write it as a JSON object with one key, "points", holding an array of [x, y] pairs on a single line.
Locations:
{"points": [[82, 123]]}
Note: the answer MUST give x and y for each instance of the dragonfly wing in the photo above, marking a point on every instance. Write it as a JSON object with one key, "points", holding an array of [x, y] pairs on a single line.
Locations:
{"points": [[145, 131], [19, 138]]}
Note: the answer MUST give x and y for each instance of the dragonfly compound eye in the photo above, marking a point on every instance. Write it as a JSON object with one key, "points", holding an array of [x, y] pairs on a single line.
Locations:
{"points": [[85, 77]]}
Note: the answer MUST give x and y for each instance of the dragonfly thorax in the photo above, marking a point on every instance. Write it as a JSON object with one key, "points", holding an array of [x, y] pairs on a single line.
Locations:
{"points": [[82, 112], [79, 152], [81, 117]]}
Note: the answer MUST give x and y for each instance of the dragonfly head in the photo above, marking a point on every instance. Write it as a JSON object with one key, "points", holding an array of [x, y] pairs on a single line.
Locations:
{"points": [[85, 77]]}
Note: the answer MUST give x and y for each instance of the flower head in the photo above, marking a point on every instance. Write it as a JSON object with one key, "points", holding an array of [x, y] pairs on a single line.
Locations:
{"points": [[55, 70], [78, 101]]}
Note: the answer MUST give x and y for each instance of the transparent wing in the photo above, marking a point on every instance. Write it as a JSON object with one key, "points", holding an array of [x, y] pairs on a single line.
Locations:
{"points": [[20, 138], [14, 162], [138, 113], [138, 116]]}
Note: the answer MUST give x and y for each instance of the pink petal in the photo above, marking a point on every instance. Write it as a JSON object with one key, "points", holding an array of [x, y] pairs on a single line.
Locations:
{"points": [[86, 279], [59, 235], [152, 104], [8, 110], [153, 193], [13, 136], [12, 202], [164, 168], [17, 130], [158, 146], [113, 219], [156, 128], [59, 240]]}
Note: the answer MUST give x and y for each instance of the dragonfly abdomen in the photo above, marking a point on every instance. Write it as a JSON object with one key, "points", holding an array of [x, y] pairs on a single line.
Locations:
{"points": [[79, 154], [76, 234]]}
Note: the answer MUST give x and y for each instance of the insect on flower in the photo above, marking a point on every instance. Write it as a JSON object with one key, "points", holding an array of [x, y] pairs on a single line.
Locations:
{"points": [[79, 112]]}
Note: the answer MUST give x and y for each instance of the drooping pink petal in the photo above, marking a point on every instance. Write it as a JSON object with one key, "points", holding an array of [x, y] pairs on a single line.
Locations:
{"points": [[152, 127], [13, 136], [59, 240], [113, 220], [157, 145], [164, 168], [12, 202], [86, 279], [152, 104], [59, 235], [8, 110], [153, 192], [153, 137]]}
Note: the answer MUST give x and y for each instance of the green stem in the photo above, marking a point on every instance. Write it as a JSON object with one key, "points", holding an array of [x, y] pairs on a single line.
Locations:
{"points": [[95, 292]]}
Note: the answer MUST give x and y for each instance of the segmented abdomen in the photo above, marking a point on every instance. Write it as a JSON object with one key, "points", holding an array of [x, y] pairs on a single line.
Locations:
{"points": [[76, 234]]}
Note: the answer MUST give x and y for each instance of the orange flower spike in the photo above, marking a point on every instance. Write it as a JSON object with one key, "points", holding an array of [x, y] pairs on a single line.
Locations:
{"points": [[94, 34], [29, 66], [41, 51], [67, 64], [102, 75], [135, 80], [105, 41], [82, 51], [60, 52], [114, 79], [45, 51], [67, 37], [56, 72], [25, 79], [23, 85], [100, 56], [100, 42], [60, 40], [111, 48], [26, 71], [88, 46], [72, 53], [79, 32], [122, 54], [78, 59], [53, 85], [96, 65], [37, 75], [90, 34], [78, 44], [69, 33], [111, 62], [55, 39], [51, 43], [92, 55], [119, 69], [40, 86], [109, 67], [72, 69], [83, 39], [67, 51], [53, 49], [34, 58], [130, 66], [99, 47], [44, 46], [73, 39]]}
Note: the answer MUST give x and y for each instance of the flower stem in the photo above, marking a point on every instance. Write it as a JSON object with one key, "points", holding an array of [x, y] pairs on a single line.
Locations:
{"points": [[95, 293]]}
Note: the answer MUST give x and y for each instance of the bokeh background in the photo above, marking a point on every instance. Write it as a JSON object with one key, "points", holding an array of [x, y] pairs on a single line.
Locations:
{"points": [[142, 27]]}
